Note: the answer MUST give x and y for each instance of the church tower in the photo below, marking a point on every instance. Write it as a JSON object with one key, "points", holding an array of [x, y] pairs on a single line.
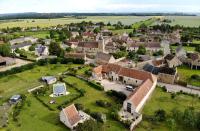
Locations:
{"points": [[101, 44]]}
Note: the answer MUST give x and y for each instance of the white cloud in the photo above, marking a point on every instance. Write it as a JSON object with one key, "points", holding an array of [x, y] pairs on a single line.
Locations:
{"points": [[13, 6]]}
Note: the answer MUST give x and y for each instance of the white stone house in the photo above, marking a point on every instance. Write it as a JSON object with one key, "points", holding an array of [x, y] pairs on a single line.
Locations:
{"points": [[41, 50]]}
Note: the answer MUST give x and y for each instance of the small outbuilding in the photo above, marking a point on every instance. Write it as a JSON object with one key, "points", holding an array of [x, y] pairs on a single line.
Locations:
{"points": [[49, 79]]}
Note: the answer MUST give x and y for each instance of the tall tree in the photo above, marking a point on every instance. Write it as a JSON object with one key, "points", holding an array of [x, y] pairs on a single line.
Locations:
{"points": [[55, 49]]}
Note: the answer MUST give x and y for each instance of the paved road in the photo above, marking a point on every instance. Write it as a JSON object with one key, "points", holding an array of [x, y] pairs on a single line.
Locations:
{"points": [[178, 88]]}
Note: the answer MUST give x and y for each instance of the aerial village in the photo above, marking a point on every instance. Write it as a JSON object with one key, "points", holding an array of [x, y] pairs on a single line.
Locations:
{"points": [[126, 67]]}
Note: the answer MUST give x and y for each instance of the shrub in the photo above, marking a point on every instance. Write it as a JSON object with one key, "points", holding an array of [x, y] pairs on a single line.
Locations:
{"points": [[160, 115], [173, 95], [79, 106], [99, 116], [96, 86], [195, 77], [118, 95], [103, 103], [53, 61]]}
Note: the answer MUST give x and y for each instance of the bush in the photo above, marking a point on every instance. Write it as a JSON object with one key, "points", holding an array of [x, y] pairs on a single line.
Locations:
{"points": [[160, 115], [79, 106], [96, 86], [99, 116], [118, 95], [53, 61], [173, 95], [103, 103], [195, 77]]}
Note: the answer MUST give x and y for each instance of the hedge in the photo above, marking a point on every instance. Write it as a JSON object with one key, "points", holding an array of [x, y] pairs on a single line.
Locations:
{"points": [[96, 86], [42, 62]]}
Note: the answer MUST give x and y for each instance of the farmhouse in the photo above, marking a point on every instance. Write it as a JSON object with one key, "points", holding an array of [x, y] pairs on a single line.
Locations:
{"points": [[172, 61], [145, 82], [71, 117]]}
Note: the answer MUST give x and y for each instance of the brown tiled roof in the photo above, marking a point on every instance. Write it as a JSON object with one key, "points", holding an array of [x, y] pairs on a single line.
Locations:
{"points": [[111, 67], [132, 73], [103, 56], [140, 92], [137, 74], [137, 44], [158, 62], [153, 45], [72, 114], [92, 44], [89, 34], [98, 70]]}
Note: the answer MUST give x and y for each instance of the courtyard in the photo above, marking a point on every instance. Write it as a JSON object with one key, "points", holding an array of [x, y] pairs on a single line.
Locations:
{"points": [[116, 86]]}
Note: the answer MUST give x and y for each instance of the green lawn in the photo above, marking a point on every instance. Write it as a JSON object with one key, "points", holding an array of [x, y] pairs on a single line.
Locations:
{"points": [[196, 41], [185, 74], [187, 48], [163, 100], [127, 20], [37, 118], [21, 82], [89, 102]]}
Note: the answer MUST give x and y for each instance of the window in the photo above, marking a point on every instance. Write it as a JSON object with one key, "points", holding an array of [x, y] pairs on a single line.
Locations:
{"points": [[129, 107]]}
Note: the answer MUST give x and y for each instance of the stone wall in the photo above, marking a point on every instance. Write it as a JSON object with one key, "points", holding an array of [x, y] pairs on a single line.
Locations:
{"points": [[166, 78]]}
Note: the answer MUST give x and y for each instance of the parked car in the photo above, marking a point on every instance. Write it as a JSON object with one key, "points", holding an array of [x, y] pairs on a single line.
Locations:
{"points": [[129, 88]]}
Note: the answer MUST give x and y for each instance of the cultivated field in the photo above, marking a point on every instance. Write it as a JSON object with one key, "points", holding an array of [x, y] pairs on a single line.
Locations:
{"points": [[53, 22], [190, 21]]}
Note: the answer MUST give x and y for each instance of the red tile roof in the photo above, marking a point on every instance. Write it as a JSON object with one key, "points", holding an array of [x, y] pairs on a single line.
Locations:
{"points": [[92, 44], [121, 71], [72, 114], [140, 92], [137, 74]]}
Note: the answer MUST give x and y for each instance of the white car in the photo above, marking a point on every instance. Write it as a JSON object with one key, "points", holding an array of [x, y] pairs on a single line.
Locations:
{"points": [[129, 88]]}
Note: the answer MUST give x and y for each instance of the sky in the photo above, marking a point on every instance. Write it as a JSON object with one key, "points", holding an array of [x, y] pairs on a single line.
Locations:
{"points": [[99, 6]]}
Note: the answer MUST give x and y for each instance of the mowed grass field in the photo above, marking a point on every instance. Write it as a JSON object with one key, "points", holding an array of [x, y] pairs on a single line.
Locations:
{"points": [[21, 82], [190, 21], [127, 20], [163, 100], [185, 74]]}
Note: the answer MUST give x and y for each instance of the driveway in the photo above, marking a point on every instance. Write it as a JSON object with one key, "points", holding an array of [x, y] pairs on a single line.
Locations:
{"points": [[110, 85], [19, 62]]}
